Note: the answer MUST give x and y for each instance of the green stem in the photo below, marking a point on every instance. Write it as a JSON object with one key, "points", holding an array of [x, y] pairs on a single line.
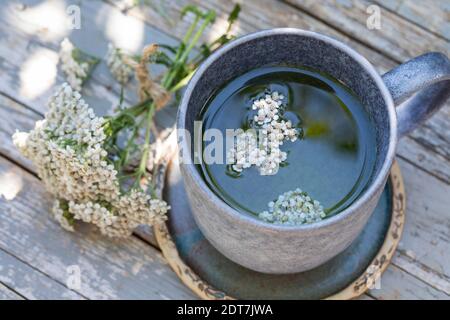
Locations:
{"points": [[124, 157], [182, 82], [197, 36], [165, 81], [135, 110], [182, 59], [145, 150]]}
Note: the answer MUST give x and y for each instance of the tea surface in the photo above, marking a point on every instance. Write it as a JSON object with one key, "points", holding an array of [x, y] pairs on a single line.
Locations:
{"points": [[333, 159]]}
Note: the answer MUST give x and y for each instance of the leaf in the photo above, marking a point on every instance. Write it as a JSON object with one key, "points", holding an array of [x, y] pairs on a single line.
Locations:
{"points": [[234, 14], [205, 51], [162, 58], [167, 47], [193, 9]]}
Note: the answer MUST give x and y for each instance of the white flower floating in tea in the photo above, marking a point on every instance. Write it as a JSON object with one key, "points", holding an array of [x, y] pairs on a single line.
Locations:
{"points": [[76, 64], [67, 148], [265, 152], [293, 208]]}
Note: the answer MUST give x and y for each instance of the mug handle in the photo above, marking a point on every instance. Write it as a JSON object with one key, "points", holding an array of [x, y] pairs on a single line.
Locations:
{"points": [[419, 88]]}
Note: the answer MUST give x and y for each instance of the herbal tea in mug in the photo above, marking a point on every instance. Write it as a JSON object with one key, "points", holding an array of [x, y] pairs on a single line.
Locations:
{"points": [[302, 145]]}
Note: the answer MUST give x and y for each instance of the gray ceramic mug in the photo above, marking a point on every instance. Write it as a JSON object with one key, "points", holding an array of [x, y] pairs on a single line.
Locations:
{"points": [[418, 88]]}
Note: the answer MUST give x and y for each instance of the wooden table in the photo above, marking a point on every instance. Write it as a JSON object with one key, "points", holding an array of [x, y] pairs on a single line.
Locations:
{"points": [[37, 256]]}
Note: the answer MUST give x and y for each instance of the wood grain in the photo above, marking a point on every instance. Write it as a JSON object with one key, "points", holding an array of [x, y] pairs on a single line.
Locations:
{"points": [[433, 136], [30, 43], [427, 232], [398, 285], [431, 15], [421, 267], [31, 283], [398, 38], [110, 269], [419, 236], [8, 294]]}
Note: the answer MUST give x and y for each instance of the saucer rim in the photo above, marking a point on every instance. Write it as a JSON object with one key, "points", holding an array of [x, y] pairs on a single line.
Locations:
{"points": [[355, 289]]}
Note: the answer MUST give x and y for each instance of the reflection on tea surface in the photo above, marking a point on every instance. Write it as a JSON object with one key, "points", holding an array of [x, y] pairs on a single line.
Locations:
{"points": [[333, 159]]}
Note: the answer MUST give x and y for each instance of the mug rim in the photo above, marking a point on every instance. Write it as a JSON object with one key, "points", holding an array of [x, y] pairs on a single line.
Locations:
{"points": [[377, 182]]}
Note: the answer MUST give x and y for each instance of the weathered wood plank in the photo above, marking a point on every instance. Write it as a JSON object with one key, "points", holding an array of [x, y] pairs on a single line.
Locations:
{"points": [[414, 226], [421, 156], [110, 269], [31, 283], [432, 15], [427, 230], [34, 37], [435, 133], [398, 38], [33, 44], [268, 22], [8, 294], [261, 14], [255, 15], [15, 117], [398, 285], [407, 262]]}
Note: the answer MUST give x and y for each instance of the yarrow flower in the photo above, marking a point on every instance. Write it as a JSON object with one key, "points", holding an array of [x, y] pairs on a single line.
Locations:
{"points": [[116, 60], [67, 148], [293, 208], [88, 162], [263, 149], [76, 64]]}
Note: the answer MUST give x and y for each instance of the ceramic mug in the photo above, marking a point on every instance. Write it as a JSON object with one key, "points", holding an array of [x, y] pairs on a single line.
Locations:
{"points": [[418, 88]]}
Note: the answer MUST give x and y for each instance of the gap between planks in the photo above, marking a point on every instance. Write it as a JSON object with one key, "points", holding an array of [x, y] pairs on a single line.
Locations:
{"points": [[32, 117], [413, 11], [436, 167], [30, 282], [426, 136], [7, 293], [110, 269]]}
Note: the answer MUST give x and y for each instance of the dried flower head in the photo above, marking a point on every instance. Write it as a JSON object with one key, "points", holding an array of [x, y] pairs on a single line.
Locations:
{"points": [[118, 64]]}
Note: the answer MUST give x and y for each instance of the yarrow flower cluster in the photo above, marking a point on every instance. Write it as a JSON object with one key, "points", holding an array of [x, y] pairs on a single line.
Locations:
{"points": [[116, 60], [98, 168], [67, 148], [75, 64], [262, 148], [293, 208]]}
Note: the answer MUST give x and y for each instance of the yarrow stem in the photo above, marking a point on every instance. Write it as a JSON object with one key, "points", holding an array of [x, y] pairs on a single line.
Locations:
{"points": [[142, 169], [183, 51], [85, 160]]}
